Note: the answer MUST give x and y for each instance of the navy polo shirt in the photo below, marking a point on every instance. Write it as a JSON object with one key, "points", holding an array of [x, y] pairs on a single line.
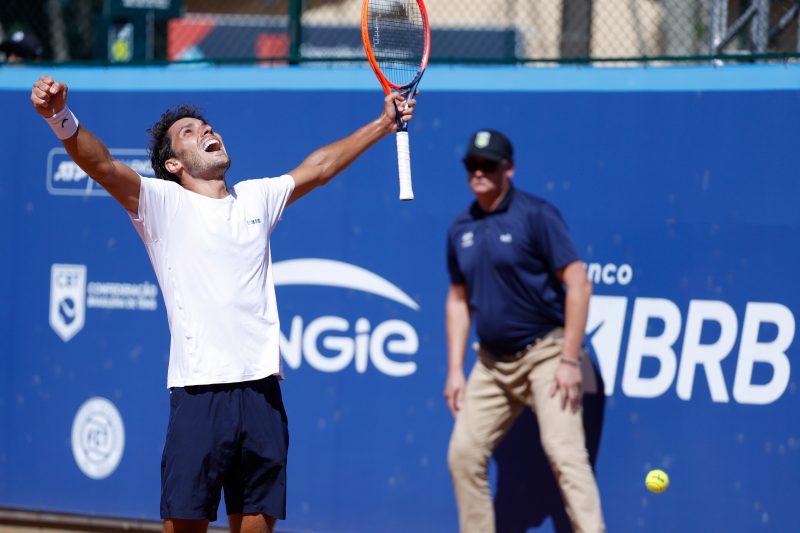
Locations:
{"points": [[508, 259]]}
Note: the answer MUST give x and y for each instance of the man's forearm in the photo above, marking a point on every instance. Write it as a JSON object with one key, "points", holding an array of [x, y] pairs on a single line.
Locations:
{"points": [[49, 99], [335, 157], [575, 314], [90, 154], [456, 348], [457, 325], [325, 163]]}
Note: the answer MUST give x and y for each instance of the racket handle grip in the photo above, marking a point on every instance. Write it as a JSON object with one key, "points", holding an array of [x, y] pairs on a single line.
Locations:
{"points": [[404, 166]]}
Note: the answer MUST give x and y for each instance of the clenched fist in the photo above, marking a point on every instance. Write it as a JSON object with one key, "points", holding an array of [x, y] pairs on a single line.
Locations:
{"points": [[48, 96]]}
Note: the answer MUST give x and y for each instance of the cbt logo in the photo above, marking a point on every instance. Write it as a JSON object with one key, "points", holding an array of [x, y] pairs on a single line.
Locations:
{"points": [[67, 299], [710, 332], [388, 345], [98, 438], [66, 178]]}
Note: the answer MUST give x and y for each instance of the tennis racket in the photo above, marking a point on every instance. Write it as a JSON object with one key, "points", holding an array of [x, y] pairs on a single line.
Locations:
{"points": [[397, 40]]}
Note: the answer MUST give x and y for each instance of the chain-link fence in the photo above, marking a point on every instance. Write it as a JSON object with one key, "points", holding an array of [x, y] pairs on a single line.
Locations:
{"points": [[463, 31]]}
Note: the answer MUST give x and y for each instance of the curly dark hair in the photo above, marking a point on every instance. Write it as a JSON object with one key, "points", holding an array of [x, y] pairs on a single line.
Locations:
{"points": [[160, 145]]}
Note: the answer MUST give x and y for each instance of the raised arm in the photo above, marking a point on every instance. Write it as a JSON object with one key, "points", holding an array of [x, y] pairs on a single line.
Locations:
{"points": [[49, 98], [325, 163]]}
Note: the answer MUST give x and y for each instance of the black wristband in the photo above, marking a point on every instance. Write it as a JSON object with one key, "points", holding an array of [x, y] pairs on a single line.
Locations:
{"points": [[576, 362]]}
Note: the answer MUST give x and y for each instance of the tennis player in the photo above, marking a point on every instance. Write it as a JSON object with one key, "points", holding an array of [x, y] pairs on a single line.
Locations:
{"points": [[208, 242]]}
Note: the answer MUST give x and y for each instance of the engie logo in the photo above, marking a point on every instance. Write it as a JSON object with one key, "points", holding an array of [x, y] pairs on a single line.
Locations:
{"points": [[65, 177], [70, 297], [361, 342], [655, 326]]}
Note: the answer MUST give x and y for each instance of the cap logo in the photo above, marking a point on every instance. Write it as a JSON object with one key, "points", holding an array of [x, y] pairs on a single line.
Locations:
{"points": [[482, 139]]}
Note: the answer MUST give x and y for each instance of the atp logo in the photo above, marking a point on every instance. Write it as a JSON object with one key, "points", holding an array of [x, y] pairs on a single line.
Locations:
{"points": [[67, 299], [66, 178], [387, 345]]}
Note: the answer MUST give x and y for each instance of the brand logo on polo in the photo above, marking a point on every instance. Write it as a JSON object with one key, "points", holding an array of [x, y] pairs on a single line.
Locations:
{"points": [[387, 345], [505, 237], [467, 239], [67, 299]]}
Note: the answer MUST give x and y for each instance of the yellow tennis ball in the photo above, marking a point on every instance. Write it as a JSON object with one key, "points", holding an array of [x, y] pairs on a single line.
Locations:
{"points": [[657, 481]]}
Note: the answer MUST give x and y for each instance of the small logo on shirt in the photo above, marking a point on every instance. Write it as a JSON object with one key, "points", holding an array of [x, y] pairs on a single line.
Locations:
{"points": [[252, 221], [467, 239], [505, 237]]}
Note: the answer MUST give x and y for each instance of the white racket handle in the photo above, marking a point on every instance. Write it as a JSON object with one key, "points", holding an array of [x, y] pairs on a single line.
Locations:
{"points": [[404, 166]]}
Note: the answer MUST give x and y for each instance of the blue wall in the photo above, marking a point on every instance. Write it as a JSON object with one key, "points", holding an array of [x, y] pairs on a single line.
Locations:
{"points": [[679, 186]]}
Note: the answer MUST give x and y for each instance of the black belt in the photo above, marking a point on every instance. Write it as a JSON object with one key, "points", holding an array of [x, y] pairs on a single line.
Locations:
{"points": [[509, 357]]}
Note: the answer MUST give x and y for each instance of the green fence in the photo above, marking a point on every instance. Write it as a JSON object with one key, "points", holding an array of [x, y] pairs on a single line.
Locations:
{"points": [[463, 31]]}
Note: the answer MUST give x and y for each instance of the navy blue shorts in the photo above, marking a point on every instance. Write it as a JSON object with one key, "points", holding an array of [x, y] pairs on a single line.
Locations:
{"points": [[232, 437]]}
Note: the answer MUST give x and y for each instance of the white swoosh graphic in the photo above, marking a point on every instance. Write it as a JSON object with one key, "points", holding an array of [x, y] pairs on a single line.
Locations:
{"points": [[337, 274]]}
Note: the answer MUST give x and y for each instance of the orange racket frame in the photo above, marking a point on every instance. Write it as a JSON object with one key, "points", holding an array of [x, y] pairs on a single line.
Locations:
{"points": [[387, 85], [403, 151]]}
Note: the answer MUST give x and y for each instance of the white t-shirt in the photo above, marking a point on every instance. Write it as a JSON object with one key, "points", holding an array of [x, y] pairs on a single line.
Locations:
{"points": [[213, 263]]}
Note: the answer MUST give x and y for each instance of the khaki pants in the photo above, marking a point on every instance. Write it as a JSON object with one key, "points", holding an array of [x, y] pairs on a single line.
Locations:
{"points": [[495, 395]]}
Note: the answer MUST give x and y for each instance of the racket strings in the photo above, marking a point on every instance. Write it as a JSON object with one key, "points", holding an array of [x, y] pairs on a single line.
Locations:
{"points": [[397, 35]]}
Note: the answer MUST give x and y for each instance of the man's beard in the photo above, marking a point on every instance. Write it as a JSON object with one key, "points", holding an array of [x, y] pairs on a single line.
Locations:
{"points": [[202, 168]]}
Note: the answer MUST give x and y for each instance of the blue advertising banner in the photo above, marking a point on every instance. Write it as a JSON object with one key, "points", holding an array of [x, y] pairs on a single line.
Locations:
{"points": [[678, 186]]}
